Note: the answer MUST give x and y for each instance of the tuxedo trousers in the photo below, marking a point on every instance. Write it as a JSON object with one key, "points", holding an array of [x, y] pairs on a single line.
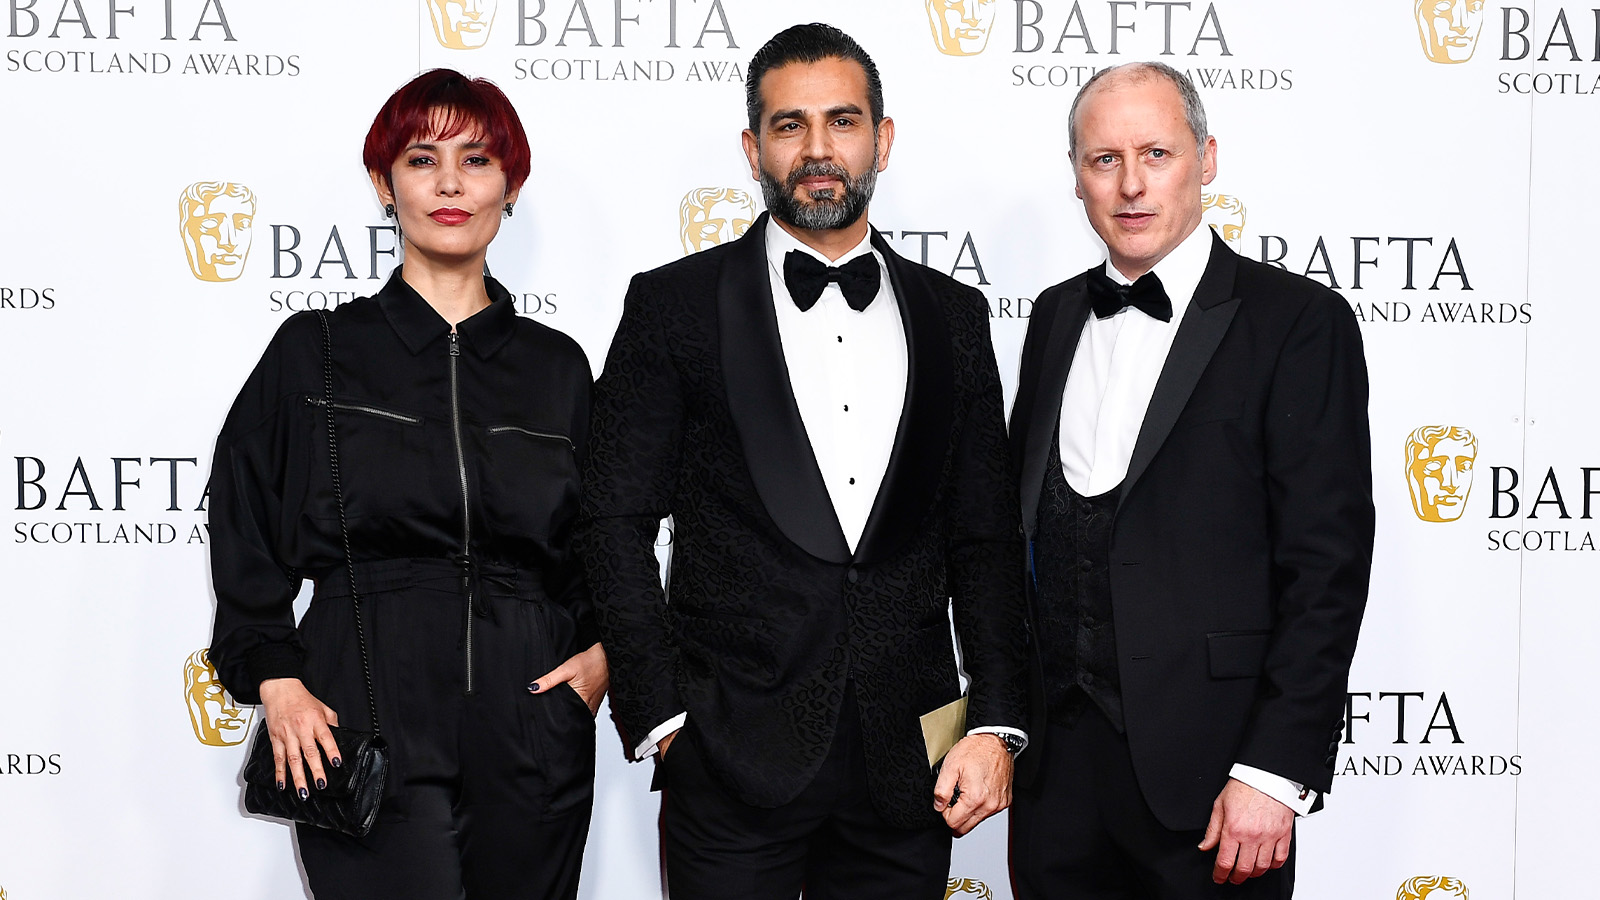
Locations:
{"points": [[1083, 831], [829, 842], [489, 794]]}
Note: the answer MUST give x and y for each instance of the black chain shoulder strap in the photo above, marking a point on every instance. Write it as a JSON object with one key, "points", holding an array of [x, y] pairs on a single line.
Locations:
{"points": [[344, 528]]}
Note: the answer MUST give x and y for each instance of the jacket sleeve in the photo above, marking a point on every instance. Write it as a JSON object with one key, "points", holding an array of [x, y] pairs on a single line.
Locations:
{"points": [[629, 481], [985, 557], [570, 587], [254, 636], [1319, 483]]}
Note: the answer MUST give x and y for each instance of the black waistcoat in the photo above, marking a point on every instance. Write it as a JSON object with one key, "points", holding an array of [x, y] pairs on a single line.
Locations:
{"points": [[1072, 575]]}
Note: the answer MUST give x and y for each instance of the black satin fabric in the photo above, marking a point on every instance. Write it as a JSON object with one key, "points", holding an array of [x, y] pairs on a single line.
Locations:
{"points": [[523, 398]]}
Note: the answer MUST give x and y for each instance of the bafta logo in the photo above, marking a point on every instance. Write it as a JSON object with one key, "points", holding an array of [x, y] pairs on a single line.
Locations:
{"points": [[218, 721], [961, 27], [1449, 28], [216, 220], [967, 887], [1432, 887], [462, 24], [1225, 214], [710, 216], [1439, 461]]}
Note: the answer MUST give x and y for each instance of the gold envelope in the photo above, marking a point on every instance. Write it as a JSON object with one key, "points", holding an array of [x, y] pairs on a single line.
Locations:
{"points": [[942, 728]]}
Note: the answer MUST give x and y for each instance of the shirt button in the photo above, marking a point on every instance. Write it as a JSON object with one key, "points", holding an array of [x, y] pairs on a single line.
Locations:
{"points": [[851, 575], [852, 481], [847, 407], [841, 338]]}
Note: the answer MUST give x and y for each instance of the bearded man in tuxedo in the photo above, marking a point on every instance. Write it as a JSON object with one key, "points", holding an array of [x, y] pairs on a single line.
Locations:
{"points": [[823, 421]]}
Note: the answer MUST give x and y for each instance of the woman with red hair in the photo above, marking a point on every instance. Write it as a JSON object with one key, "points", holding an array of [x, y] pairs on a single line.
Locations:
{"points": [[459, 426]]}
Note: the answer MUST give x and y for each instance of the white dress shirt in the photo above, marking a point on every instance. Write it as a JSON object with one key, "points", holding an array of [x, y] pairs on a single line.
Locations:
{"points": [[847, 371], [1108, 390]]}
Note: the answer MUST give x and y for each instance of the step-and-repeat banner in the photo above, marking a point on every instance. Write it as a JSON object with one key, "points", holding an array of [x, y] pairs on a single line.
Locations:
{"points": [[186, 173]]}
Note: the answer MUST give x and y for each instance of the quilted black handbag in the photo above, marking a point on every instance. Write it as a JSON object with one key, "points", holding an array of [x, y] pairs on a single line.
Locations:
{"points": [[354, 791]]}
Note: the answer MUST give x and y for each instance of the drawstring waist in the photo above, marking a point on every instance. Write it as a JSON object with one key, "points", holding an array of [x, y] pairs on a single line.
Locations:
{"points": [[480, 579], [474, 581]]}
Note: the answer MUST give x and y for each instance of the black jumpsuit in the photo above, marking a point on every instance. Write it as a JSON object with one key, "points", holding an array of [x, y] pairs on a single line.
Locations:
{"points": [[459, 462]]}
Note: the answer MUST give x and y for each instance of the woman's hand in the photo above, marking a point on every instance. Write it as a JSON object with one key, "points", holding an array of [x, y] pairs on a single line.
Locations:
{"points": [[588, 673], [297, 723]]}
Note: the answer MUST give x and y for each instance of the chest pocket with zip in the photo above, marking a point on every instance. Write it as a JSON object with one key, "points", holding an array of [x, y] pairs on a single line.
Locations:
{"points": [[529, 479], [380, 446]]}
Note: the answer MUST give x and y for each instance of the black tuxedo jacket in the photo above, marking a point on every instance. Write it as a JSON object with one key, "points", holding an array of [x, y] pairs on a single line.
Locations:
{"points": [[770, 613], [1242, 543]]}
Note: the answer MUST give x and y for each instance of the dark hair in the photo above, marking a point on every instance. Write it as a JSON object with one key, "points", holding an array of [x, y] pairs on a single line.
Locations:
{"points": [[808, 44], [465, 104]]}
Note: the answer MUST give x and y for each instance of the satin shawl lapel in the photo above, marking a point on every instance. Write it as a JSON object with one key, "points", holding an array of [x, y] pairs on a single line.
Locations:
{"points": [[1202, 328], [1066, 327], [923, 437], [776, 449]]}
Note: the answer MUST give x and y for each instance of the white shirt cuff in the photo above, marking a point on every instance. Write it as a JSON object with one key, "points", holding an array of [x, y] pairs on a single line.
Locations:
{"points": [[651, 740], [1000, 729], [1295, 796]]}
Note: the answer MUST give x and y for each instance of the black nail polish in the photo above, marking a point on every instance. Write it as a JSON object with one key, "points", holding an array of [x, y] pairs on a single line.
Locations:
{"points": [[337, 762], [280, 785], [533, 686], [304, 794], [322, 784]]}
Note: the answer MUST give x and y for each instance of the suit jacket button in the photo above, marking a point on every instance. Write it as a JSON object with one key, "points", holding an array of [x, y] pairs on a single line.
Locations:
{"points": [[851, 575]]}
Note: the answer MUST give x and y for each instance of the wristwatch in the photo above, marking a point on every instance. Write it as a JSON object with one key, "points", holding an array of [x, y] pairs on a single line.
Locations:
{"points": [[1014, 743]]}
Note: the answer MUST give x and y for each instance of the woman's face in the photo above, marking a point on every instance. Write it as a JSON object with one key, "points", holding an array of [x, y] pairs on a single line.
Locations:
{"points": [[448, 195]]}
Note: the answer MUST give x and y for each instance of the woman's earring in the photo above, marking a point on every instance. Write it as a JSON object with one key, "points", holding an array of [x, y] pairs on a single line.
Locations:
{"points": [[508, 210], [388, 210]]}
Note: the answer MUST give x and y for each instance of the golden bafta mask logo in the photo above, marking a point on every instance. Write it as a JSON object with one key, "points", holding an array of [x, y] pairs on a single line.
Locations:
{"points": [[1439, 462], [218, 721], [1449, 28], [1432, 887], [961, 27], [1225, 214], [710, 216], [967, 887], [216, 220], [462, 24]]}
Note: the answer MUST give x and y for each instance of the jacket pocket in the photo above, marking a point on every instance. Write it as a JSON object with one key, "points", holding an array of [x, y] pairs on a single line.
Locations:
{"points": [[716, 643], [1204, 413], [1237, 654]]}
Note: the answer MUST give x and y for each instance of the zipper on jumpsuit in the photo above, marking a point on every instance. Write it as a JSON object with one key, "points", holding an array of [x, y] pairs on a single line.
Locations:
{"points": [[464, 560]]}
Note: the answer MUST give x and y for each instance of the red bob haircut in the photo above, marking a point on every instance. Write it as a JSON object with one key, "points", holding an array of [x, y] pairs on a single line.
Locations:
{"points": [[458, 104]]}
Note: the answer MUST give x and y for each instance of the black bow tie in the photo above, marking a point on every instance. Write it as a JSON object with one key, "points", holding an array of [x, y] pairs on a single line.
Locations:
{"points": [[806, 277], [1146, 295]]}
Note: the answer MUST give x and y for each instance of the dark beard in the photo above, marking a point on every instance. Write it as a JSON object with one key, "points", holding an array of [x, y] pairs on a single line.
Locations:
{"points": [[825, 212]]}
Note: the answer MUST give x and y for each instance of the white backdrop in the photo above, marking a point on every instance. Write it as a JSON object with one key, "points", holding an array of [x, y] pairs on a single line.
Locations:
{"points": [[1443, 188]]}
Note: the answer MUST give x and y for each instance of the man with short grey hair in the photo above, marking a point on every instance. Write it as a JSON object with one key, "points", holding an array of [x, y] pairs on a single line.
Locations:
{"points": [[1191, 433]]}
